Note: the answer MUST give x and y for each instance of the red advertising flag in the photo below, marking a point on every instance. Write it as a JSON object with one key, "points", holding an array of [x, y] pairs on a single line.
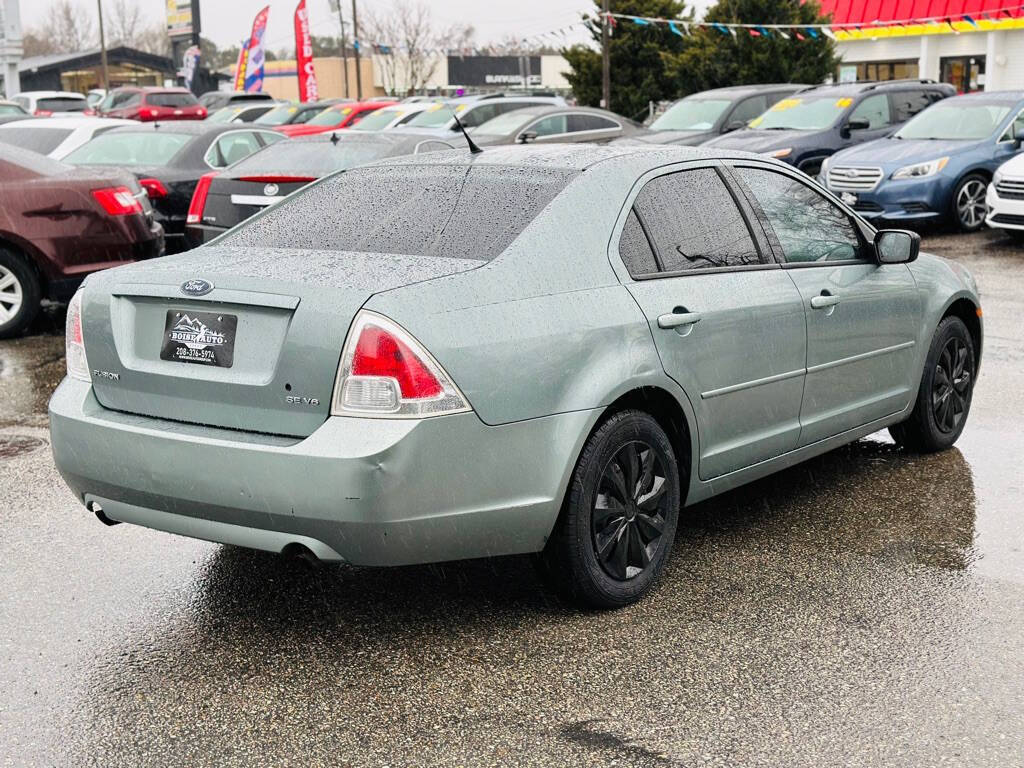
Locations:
{"points": [[308, 90]]}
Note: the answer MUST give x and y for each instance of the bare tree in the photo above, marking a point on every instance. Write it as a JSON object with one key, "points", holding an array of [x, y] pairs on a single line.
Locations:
{"points": [[410, 46], [69, 26], [124, 22]]}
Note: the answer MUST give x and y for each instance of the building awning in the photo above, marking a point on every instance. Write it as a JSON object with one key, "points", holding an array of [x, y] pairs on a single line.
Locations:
{"points": [[873, 19]]}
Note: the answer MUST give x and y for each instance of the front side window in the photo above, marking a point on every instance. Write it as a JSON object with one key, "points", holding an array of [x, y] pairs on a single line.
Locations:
{"points": [[874, 110], [748, 109], [808, 227], [694, 223], [480, 115], [549, 126], [1016, 129]]}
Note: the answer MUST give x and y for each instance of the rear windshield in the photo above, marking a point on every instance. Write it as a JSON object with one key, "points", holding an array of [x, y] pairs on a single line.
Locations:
{"points": [[62, 104], [150, 148], [171, 99], [313, 158], [466, 212], [41, 140]]}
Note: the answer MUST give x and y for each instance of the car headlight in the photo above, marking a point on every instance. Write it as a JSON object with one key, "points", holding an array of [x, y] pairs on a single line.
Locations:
{"points": [[997, 176], [779, 152], [920, 170], [825, 164]]}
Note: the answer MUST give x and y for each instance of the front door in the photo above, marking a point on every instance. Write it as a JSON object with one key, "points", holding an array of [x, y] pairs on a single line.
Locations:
{"points": [[861, 316], [728, 324]]}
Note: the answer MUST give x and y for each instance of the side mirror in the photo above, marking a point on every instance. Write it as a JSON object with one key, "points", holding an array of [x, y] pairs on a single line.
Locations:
{"points": [[735, 125], [897, 246], [857, 124], [526, 136]]}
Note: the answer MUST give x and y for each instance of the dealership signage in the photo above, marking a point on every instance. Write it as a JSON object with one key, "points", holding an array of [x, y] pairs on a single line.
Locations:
{"points": [[494, 70], [182, 18]]}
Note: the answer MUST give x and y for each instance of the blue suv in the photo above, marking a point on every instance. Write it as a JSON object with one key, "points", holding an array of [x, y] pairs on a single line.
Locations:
{"points": [[935, 167], [809, 126]]}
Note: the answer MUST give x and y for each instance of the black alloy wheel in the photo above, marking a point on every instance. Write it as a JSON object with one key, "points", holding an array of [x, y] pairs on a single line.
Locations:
{"points": [[628, 517], [951, 385]]}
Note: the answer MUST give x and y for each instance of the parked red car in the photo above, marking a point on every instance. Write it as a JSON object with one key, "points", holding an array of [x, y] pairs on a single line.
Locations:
{"points": [[58, 224], [338, 116], [151, 104]]}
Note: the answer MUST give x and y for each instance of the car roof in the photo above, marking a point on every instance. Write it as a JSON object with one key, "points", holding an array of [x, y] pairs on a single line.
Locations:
{"points": [[852, 89], [76, 122], [737, 91], [48, 94], [192, 127], [540, 110]]}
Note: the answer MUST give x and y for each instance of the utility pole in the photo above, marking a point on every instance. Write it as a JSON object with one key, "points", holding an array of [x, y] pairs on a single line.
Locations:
{"points": [[355, 48], [606, 61], [344, 53], [103, 47]]}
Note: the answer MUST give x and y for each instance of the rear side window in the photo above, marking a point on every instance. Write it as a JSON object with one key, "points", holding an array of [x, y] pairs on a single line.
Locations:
{"points": [[908, 103], [171, 99], [635, 249], [62, 104], [41, 140], [694, 222], [467, 212], [590, 123]]}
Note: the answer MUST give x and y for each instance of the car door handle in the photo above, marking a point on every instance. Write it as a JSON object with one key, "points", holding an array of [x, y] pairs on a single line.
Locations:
{"points": [[824, 301], [678, 319]]}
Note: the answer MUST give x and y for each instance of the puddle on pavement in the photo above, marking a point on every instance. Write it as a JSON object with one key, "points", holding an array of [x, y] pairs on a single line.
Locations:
{"points": [[18, 445]]}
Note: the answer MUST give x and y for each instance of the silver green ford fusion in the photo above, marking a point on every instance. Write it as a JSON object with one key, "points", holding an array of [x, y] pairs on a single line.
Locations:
{"points": [[530, 350]]}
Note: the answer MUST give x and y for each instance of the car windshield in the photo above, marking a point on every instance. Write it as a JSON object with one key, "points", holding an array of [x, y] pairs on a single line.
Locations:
{"points": [[36, 139], [691, 115], [378, 120], [330, 116], [62, 104], [172, 99], [279, 115], [417, 210], [225, 115], [803, 114], [434, 116], [150, 148], [956, 121]]}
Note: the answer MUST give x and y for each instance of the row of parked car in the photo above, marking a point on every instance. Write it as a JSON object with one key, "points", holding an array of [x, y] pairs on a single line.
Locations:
{"points": [[120, 189]]}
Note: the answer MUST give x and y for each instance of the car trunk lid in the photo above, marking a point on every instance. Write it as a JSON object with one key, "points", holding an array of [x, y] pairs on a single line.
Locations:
{"points": [[231, 201], [232, 338]]}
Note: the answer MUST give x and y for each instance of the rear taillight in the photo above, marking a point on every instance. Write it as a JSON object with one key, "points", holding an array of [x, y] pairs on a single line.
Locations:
{"points": [[195, 208], [74, 341], [117, 201], [385, 372], [43, 113], [278, 179], [154, 188], [154, 112], [201, 112]]}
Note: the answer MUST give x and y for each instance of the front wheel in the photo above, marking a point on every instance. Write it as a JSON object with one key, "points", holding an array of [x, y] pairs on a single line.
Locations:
{"points": [[944, 398], [619, 519], [969, 207]]}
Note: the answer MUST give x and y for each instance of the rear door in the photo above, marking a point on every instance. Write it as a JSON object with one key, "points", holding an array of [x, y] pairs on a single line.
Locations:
{"points": [[727, 321], [862, 316]]}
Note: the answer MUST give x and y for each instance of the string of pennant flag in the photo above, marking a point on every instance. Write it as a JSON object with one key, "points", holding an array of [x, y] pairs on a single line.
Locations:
{"points": [[992, 19]]}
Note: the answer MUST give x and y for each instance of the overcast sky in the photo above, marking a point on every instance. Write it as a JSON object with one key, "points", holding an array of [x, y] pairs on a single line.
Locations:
{"points": [[226, 22]]}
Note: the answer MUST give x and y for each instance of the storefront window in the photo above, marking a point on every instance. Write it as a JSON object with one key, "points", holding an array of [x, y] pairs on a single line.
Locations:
{"points": [[965, 73], [885, 70]]}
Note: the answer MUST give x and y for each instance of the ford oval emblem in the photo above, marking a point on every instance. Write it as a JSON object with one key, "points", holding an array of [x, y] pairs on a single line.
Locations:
{"points": [[196, 287], [271, 190]]}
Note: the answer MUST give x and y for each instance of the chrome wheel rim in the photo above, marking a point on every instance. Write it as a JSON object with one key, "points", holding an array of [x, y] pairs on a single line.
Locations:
{"points": [[11, 295], [952, 385], [970, 203], [628, 514]]}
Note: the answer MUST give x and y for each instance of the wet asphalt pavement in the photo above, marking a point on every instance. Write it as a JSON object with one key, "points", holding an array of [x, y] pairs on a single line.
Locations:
{"points": [[862, 609]]}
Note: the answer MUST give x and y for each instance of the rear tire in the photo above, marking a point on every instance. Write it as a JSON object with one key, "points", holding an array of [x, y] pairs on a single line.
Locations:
{"points": [[969, 208], [19, 294], [944, 398], [619, 519]]}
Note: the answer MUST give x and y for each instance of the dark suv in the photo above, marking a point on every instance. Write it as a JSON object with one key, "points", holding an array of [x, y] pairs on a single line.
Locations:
{"points": [[703, 116], [807, 127]]}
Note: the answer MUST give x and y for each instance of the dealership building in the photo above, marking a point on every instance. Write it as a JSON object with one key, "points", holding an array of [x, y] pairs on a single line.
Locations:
{"points": [[975, 45]]}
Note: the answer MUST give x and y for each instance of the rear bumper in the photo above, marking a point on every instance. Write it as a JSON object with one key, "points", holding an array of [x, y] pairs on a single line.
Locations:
{"points": [[366, 491], [1003, 213]]}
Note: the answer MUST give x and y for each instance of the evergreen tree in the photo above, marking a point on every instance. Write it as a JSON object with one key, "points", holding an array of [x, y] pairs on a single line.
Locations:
{"points": [[636, 52], [712, 59]]}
